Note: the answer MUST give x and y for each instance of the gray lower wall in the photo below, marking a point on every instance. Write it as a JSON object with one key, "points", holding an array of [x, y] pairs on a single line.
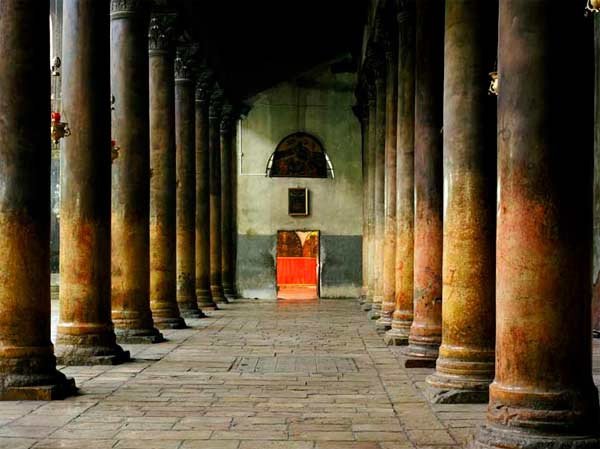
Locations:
{"points": [[341, 259]]}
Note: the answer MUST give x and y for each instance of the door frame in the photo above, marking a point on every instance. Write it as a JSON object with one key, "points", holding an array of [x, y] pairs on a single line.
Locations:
{"points": [[319, 266]]}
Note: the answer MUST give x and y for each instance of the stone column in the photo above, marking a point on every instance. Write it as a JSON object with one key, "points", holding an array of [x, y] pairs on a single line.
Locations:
{"points": [[379, 183], [163, 275], [27, 362], [389, 243], [130, 241], [361, 111], [215, 111], [227, 152], [596, 242], [186, 181], [465, 366], [543, 394], [403, 314], [203, 293], [372, 112], [85, 330], [426, 329]]}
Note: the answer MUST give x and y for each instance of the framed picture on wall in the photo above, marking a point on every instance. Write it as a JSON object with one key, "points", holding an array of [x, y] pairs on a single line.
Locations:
{"points": [[298, 202]]}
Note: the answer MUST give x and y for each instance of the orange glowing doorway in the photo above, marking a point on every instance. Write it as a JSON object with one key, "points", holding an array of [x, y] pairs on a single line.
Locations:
{"points": [[298, 264]]}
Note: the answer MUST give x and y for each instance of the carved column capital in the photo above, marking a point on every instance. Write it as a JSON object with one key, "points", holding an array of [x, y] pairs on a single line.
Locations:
{"points": [[204, 84], [216, 102], [122, 8], [161, 32], [185, 58], [227, 118], [376, 62]]}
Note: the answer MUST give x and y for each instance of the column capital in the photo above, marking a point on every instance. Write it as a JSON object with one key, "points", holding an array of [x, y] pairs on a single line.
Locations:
{"points": [[376, 62], [228, 118], [216, 102], [204, 84], [161, 31], [185, 58], [123, 8]]}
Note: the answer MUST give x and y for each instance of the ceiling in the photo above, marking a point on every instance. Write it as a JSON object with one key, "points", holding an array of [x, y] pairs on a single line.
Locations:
{"points": [[255, 44]]}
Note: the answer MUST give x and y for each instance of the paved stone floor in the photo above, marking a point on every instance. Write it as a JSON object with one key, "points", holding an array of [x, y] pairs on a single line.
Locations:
{"points": [[256, 375]]}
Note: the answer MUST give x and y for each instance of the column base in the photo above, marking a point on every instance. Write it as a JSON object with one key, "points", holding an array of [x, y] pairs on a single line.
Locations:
{"points": [[443, 389], [216, 292], [395, 337], [191, 313], [62, 388], [493, 437], [170, 323], [596, 333], [420, 355], [74, 355], [139, 336], [205, 301], [375, 312], [384, 323], [367, 305]]}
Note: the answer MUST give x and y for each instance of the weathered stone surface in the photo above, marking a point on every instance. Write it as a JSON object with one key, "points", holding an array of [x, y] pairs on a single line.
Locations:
{"points": [[130, 244], [426, 329], [228, 176], [27, 363], [465, 366], [163, 264]]}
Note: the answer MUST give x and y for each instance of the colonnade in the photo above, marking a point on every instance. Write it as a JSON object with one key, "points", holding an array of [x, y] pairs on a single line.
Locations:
{"points": [[146, 229], [478, 208]]}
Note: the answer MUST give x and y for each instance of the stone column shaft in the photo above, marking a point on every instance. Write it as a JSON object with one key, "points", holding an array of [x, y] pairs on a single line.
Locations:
{"points": [[596, 242], [130, 241], [163, 269], [203, 291], [403, 314], [379, 185], [214, 138], [361, 112], [426, 330], [372, 112], [227, 152], [389, 243], [85, 330], [465, 366], [543, 394], [186, 184], [27, 362]]}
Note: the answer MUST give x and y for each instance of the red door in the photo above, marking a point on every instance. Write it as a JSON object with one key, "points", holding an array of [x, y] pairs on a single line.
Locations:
{"points": [[297, 264]]}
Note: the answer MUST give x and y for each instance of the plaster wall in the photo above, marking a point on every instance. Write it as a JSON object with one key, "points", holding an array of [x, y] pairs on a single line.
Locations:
{"points": [[320, 104]]}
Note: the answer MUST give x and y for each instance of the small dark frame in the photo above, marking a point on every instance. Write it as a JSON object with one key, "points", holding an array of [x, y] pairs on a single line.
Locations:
{"points": [[298, 202]]}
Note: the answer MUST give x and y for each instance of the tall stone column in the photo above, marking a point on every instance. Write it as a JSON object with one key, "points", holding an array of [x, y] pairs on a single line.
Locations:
{"points": [[163, 266], [85, 330], [185, 121], [596, 242], [372, 112], [203, 292], [361, 111], [426, 329], [130, 241], [405, 214], [227, 152], [389, 243], [543, 394], [214, 138], [465, 366], [379, 69], [27, 362]]}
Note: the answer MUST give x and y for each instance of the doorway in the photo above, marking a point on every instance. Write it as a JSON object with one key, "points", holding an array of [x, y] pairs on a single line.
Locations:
{"points": [[298, 264]]}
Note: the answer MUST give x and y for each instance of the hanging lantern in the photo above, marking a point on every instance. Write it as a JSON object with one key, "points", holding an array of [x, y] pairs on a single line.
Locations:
{"points": [[593, 6], [58, 129], [494, 84]]}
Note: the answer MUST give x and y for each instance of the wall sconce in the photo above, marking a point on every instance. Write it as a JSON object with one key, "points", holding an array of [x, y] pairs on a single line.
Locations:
{"points": [[494, 83], [58, 129], [593, 6], [114, 150]]}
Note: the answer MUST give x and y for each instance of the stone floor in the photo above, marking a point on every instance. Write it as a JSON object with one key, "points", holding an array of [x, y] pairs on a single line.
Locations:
{"points": [[256, 375]]}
